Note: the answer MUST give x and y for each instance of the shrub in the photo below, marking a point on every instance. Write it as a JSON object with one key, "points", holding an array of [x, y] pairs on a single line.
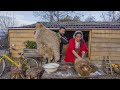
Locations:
{"points": [[31, 44]]}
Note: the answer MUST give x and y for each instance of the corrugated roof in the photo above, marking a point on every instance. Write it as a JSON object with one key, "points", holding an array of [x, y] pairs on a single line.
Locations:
{"points": [[75, 25]]}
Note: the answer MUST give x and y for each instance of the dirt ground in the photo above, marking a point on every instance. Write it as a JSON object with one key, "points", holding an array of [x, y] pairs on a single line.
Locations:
{"points": [[65, 71], [6, 74]]}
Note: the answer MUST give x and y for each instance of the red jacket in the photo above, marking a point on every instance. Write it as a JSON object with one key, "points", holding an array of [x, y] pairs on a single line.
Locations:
{"points": [[69, 57]]}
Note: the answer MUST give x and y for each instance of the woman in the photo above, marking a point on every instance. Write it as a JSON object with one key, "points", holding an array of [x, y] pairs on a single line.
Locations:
{"points": [[76, 48]]}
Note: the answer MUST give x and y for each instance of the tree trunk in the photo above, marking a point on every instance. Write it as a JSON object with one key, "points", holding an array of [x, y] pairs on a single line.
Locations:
{"points": [[51, 16]]}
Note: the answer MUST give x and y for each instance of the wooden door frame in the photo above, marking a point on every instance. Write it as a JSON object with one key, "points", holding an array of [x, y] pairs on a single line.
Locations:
{"points": [[89, 44]]}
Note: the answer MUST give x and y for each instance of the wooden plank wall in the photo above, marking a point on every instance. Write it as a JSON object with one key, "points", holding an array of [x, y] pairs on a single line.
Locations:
{"points": [[105, 43], [18, 37]]}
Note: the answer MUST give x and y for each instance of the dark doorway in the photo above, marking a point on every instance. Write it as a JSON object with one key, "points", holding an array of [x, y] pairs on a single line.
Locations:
{"points": [[69, 35]]}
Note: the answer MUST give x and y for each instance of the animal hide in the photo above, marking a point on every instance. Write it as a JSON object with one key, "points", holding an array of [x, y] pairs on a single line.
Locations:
{"points": [[84, 68], [48, 44], [34, 73]]}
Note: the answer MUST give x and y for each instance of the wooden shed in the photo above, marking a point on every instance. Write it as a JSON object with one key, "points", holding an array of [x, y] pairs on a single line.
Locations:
{"points": [[103, 38]]}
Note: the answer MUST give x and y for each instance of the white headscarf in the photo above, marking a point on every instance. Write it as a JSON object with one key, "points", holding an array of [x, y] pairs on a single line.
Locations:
{"points": [[76, 32]]}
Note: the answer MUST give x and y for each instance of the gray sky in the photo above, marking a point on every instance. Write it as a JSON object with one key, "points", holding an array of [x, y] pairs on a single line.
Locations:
{"points": [[27, 17]]}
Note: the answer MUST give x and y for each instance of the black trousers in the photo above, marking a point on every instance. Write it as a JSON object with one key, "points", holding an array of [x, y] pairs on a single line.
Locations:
{"points": [[61, 47]]}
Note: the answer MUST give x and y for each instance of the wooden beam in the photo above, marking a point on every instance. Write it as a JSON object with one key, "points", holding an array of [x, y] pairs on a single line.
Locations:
{"points": [[16, 51], [19, 35], [17, 43], [105, 45], [101, 58], [101, 49], [21, 31], [86, 30], [106, 40], [82, 28], [106, 35], [89, 44], [105, 53], [106, 31], [21, 39]]}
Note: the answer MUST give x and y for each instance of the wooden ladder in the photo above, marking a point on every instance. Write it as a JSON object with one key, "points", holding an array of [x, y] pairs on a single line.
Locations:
{"points": [[108, 66]]}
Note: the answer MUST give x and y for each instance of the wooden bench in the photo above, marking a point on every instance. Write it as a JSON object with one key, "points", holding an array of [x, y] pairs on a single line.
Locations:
{"points": [[31, 53]]}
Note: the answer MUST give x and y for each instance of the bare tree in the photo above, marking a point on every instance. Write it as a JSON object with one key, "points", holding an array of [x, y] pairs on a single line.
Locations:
{"points": [[6, 20], [66, 19], [47, 15], [90, 19], [52, 16], [76, 18], [79, 15], [110, 16]]}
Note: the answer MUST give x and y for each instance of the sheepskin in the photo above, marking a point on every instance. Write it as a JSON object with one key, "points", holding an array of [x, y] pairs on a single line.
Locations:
{"points": [[48, 44]]}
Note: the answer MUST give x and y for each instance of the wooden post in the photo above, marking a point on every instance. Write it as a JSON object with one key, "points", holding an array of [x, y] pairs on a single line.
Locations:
{"points": [[89, 45]]}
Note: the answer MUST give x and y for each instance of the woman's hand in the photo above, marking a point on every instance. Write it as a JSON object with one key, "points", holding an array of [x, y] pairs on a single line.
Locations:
{"points": [[79, 59]]}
